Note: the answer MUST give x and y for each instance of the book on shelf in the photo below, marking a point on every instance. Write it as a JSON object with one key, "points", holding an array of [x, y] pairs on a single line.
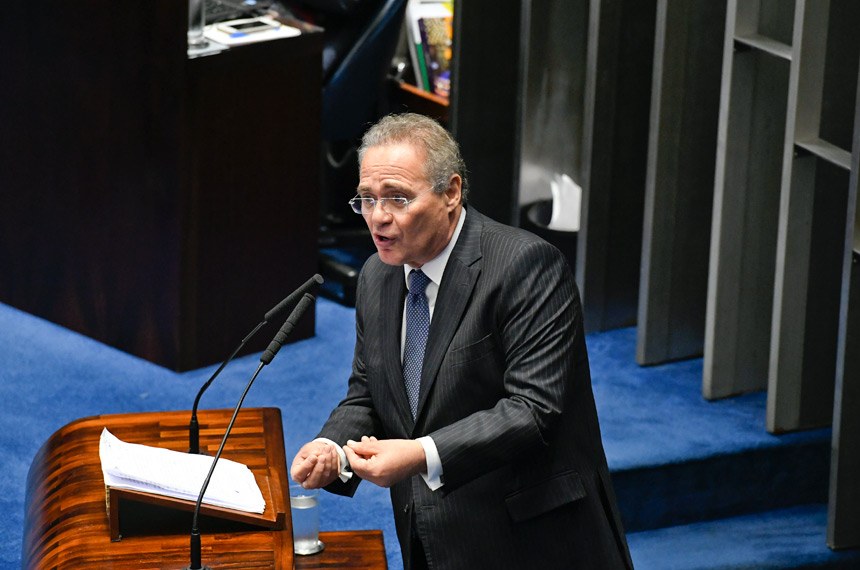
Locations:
{"points": [[436, 37], [179, 475], [430, 33]]}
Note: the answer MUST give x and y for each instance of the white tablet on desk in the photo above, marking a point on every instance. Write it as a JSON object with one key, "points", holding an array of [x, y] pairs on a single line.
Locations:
{"points": [[249, 30]]}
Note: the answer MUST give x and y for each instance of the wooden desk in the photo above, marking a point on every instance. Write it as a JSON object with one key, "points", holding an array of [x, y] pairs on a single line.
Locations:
{"points": [[67, 524], [156, 203], [361, 549]]}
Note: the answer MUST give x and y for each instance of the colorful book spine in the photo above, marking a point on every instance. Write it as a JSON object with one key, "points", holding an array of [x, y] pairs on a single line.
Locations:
{"points": [[421, 13], [416, 49], [436, 39]]}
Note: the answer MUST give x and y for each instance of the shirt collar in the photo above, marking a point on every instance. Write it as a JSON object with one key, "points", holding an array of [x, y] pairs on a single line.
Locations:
{"points": [[436, 266]]}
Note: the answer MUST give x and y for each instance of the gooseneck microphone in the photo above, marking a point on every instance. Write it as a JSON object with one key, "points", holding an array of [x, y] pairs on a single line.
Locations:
{"points": [[274, 312], [304, 303]]}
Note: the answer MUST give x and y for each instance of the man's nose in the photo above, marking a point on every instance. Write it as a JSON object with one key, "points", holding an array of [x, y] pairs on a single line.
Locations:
{"points": [[379, 216]]}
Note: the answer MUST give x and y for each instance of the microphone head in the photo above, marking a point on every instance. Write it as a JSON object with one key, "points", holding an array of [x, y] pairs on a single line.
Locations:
{"points": [[306, 301], [293, 297], [301, 307]]}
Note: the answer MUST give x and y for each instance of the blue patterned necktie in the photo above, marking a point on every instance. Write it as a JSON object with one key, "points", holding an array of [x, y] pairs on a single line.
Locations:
{"points": [[417, 329]]}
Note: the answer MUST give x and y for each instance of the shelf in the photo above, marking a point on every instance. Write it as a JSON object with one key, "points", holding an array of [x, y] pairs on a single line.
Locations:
{"points": [[415, 91], [856, 246], [827, 151], [407, 97], [766, 44]]}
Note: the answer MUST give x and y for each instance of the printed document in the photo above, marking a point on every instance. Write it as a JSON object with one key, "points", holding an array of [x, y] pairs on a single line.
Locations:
{"points": [[179, 475]]}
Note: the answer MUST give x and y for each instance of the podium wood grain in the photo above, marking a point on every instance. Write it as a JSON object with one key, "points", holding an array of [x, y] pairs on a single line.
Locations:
{"points": [[67, 523]]}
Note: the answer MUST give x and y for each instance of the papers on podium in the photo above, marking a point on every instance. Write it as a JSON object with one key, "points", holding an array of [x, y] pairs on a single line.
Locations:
{"points": [[179, 475]]}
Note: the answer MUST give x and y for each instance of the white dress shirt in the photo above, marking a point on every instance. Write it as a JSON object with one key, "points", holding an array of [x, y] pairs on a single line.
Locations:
{"points": [[434, 269]]}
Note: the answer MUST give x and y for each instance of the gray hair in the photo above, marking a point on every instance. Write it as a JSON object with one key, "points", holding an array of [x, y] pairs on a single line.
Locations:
{"points": [[441, 152]]}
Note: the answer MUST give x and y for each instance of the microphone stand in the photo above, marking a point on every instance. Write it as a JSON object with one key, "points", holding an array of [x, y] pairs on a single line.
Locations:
{"points": [[267, 356], [280, 308], [195, 531], [193, 425]]}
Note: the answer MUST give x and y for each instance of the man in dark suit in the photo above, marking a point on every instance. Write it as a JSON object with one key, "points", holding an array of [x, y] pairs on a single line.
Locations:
{"points": [[470, 394]]}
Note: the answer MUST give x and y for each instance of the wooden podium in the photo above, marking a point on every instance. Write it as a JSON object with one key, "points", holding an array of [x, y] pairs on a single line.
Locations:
{"points": [[68, 524]]}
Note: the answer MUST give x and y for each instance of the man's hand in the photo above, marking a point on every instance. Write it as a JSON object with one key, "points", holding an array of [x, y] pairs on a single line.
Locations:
{"points": [[385, 462], [315, 465]]}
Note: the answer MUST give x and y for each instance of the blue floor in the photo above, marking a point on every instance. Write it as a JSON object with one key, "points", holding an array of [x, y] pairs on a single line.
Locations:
{"points": [[786, 538], [701, 484]]}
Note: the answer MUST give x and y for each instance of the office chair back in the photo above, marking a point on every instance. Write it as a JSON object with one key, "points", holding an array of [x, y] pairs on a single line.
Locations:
{"points": [[353, 86]]}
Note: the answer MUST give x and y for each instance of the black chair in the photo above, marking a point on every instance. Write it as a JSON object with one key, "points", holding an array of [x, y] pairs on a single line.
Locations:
{"points": [[359, 41], [357, 53], [356, 58]]}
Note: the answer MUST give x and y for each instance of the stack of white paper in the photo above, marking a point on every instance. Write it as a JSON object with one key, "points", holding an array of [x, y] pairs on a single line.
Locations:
{"points": [[179, 475]]}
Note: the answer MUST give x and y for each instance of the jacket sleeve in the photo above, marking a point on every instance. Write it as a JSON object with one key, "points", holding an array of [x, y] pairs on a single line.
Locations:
{"points": [[535, 320], [355, 415]]}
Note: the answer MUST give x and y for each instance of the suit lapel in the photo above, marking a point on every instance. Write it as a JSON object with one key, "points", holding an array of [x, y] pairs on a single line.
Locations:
{"points": [[391, 299], [458, 282]]}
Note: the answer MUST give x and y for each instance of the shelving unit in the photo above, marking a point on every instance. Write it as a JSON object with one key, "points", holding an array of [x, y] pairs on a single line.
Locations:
{"points": [[843, 523], [679, 187], [771, 167], [405, 96], [813, 201], [617, 104], [751, 131], [483, 110], [764, 44], [783, 290], [484, 104], [782, 177]]}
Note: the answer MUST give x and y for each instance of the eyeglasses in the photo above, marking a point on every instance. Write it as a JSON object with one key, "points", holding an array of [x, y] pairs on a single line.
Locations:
{"points": [[395, 205]]}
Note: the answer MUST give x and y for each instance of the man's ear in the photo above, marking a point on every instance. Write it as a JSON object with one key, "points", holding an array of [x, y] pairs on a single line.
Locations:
{"points": [[454, 191]]}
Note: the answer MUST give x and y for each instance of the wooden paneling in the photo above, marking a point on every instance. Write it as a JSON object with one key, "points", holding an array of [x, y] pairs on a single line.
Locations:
{"points": [[248, 235], [152, 202], [91, 166]]}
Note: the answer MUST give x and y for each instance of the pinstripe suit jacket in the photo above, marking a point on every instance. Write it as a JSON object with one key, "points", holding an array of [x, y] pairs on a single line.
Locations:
{"points": [[505, 395]]}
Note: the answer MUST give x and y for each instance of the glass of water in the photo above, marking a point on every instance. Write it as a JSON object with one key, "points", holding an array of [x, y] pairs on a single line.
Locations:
{"points": [[305, 509], [196, 22]]}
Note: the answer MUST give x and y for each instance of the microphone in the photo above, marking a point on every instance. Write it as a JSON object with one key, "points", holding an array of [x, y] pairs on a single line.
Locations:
{"points": [[281, 307], [274, 312], [304, 303]]}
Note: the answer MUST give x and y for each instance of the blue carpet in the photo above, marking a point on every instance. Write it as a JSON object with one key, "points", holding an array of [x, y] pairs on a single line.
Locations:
{"points": [[787, 538], [50, 376], [676, 459]]}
